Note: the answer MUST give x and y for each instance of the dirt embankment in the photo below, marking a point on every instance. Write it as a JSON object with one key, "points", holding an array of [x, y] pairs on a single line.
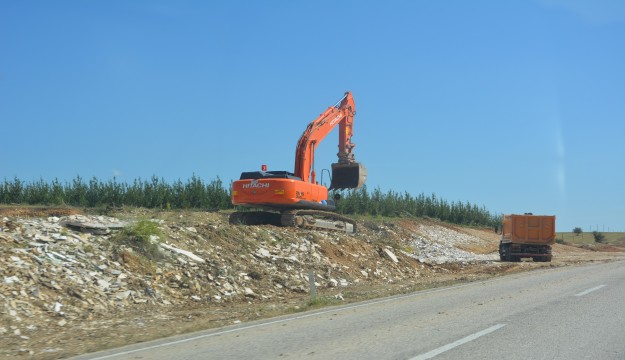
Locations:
{"points": [[69, 286]]}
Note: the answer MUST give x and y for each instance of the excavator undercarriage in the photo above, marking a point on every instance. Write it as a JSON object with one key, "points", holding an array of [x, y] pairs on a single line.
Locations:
{"points": [[307, 219]]}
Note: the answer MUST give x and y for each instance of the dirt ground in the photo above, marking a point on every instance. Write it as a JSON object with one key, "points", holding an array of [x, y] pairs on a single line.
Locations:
{"points": [[351, 257]]}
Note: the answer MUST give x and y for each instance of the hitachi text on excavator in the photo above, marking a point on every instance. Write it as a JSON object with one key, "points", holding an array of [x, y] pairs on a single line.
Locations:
{"points": [[296, 198]]}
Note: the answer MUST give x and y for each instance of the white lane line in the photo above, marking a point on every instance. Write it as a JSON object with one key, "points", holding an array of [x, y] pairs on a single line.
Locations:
{"points": [[278, 321], [442, 349], [590, 290]]}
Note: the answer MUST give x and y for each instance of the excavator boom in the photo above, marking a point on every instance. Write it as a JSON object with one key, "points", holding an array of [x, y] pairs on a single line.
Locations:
{"points": [[346, 173]]}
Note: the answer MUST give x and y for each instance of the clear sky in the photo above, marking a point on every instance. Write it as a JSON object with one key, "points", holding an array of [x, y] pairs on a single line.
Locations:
{"points": [[518, 106]]}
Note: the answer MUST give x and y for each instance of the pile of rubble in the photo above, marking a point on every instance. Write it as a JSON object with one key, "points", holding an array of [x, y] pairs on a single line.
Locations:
{"points": [[439, 245], [59, 272], [51, 274]]}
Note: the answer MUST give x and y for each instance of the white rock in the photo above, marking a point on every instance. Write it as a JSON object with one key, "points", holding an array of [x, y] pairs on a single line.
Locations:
{"points": [[103, 284], [227, 287], [262, 253], [122, 295], [186, 253], [11, 279], [391, 256]]}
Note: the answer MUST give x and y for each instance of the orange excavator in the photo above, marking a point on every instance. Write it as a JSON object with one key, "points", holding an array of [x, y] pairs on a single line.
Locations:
{"points": [[297, 199]]}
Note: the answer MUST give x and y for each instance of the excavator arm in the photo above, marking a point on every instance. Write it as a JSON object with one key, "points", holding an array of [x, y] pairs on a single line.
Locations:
{"points": [[346, 173]]}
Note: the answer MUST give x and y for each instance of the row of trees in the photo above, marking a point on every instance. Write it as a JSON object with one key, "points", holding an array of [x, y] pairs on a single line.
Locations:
{"points": [[197, 194], [394, 204], [152, 193]]}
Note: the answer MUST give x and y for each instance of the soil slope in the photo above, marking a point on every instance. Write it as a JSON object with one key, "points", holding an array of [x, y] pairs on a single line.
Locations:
{"points": [[70, 286]]}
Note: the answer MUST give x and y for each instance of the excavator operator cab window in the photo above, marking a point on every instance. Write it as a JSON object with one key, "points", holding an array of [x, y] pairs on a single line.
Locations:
{"points": [[255, 175]]}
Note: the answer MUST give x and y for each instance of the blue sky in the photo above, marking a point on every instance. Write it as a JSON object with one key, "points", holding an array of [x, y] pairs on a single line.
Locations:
{"points": [[518, 106]]}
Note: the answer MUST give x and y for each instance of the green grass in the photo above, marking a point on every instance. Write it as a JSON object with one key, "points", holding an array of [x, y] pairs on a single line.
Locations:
{"points": [[613, 238], [320, 302], [138, 237]]}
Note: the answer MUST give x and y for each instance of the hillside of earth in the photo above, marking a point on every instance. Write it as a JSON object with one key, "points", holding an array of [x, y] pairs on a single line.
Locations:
{"points": [[74, 281]]}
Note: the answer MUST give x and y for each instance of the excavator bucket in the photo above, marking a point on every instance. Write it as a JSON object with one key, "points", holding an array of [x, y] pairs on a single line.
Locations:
{"points": [[348, 175]]}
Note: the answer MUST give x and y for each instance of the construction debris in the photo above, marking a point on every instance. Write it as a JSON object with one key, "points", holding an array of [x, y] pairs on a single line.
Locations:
{"points": [[66, 273]]}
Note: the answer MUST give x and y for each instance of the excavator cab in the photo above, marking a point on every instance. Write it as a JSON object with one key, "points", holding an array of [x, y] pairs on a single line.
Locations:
{"points": [[350, 175]]}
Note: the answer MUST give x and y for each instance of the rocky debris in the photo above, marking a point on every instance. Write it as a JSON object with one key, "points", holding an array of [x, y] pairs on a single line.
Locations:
{"points": [[64, 272], [93, 224], [435, 244]]}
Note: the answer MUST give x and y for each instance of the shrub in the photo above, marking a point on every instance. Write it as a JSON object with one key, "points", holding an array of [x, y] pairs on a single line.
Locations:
{"points": [[140, 238], [599, 237]]}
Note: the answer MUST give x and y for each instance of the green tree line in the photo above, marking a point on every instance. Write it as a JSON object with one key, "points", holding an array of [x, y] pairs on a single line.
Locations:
{"points": [[195, 193], [394, 204], [152, 193]]}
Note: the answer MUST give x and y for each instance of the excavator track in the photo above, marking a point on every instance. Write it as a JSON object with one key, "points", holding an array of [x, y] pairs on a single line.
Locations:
{"points": [[316, 219], [254, 218]]}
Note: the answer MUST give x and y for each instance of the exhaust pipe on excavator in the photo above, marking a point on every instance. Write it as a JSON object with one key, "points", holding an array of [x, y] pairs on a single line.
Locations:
{"points": [[348, 175]]}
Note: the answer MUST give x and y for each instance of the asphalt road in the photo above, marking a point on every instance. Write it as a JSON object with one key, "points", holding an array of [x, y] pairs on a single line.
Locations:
{"points": [[560, 313]]}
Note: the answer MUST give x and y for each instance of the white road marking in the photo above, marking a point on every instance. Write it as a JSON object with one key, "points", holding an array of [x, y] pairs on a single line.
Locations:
{"points": [[163, 342], [246, 327], [590, 290], [442, 349]]}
